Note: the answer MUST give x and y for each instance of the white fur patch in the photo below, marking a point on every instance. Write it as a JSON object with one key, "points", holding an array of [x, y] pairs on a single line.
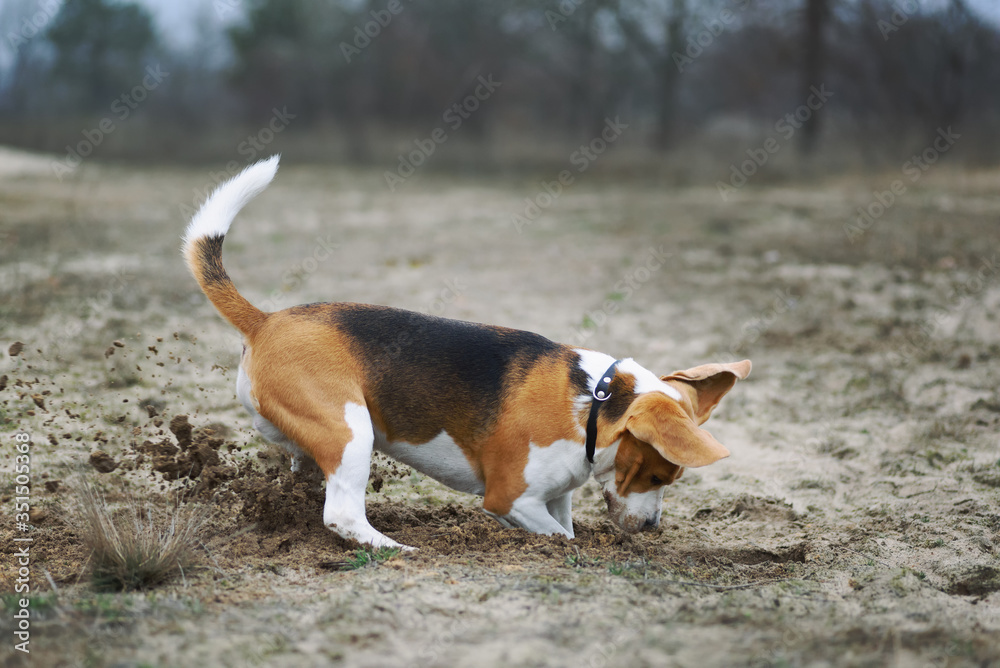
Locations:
{"points": [[646, 380], [217, 213], [342, 499], [440, 458], [604, 462], [595, 363], [556, 469], [552, 473], [635, 511], [243, 391]]}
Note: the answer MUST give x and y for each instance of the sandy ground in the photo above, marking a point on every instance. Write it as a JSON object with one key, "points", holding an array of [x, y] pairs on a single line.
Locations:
{"points": [[856, 524]]}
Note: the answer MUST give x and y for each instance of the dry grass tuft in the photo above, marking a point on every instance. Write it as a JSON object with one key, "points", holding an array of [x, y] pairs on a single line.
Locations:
{"points": [[139, 545]]}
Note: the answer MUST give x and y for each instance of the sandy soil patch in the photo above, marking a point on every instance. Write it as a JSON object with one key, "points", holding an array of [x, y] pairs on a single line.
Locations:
{"points": [[856, 523]]}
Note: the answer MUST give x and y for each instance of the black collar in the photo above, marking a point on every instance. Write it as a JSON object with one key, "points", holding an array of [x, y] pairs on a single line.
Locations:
{"points": [[602, 392]]}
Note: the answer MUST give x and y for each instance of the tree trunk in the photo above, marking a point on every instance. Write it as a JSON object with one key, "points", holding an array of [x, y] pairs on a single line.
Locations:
{"points": [[813, 62], [669, 75]]}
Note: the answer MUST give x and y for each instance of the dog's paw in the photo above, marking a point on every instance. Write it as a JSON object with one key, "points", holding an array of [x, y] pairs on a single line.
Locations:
{"points": [[390, 543]]}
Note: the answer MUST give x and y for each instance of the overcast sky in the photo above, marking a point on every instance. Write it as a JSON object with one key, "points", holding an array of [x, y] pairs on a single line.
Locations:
{"points": [[178, 20]]}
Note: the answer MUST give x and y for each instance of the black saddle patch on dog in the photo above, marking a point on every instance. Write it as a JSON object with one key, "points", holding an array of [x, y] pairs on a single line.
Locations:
{"points": [[429, 373]]}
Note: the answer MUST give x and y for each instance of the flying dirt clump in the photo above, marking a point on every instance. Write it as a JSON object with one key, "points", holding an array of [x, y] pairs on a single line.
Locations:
{"points": [[276, 499], [270, 496], [102, 461], [194, 455], [181, 429]]}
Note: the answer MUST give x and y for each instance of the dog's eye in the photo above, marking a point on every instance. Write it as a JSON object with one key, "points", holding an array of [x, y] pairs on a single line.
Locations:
{"points": [[655, 481]]}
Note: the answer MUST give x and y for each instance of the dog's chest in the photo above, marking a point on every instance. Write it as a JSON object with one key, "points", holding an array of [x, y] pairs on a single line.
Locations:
{"points": [[440, 458]]}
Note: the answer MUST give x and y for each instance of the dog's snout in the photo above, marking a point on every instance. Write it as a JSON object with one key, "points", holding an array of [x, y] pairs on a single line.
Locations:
{"points": [[651, 523]]}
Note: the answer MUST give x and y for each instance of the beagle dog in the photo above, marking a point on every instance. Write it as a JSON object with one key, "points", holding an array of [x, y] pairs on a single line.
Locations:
{"points": [[506, 414]]}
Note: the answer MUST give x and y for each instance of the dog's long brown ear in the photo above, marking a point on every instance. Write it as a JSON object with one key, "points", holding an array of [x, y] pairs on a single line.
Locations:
{"points": [[709, 382], [663, 423], [626, 478]]}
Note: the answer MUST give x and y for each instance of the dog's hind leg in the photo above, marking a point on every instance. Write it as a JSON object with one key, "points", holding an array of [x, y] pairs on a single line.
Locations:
{"points": [[263, 427], [346, 475], [319, 408]]}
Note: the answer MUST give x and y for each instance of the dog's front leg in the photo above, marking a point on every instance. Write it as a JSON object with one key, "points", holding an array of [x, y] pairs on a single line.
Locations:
{"points": [[532, 514], [561, 509]]}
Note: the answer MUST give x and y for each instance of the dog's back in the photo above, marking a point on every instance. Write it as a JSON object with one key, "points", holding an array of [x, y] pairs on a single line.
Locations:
{"points": [[420, 374]]}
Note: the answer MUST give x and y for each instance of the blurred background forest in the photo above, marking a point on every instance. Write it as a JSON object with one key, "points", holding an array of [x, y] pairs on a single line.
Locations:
{"points": [[363, 81]]}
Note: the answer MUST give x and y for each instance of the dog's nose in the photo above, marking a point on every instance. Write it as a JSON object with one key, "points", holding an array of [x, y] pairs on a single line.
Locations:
{"points": [[651, 523]]}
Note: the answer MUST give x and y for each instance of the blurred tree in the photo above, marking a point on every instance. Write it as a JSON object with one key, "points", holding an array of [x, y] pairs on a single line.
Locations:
{"points": [[706, 71], [284, 56], [101, 49], [658, 50], [813, 65], [364, 65], [905, 74]]}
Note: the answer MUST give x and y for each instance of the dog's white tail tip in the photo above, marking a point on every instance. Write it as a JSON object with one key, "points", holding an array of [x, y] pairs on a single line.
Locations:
{"points": [[217, 213]]}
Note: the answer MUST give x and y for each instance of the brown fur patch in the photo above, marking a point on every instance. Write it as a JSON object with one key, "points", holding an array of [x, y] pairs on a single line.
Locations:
{"points": [[668, 426], [301, 378], [704, 386], [537, 409], [653, 470], [204, 259]]}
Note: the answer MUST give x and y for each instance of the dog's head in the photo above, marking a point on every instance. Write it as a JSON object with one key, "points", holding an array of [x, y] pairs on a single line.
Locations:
{"points": [[658, 437]]}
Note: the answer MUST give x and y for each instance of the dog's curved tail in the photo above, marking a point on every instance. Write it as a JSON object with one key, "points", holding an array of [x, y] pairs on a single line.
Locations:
{"points": [[203, 243]]}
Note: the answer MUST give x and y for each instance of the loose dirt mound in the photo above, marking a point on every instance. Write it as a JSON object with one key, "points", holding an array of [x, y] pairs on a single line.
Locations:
{"points": [[268, 512]]}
